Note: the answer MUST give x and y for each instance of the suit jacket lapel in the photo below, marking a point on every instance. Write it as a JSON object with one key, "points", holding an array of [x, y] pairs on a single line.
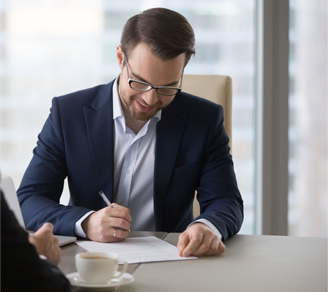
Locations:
{"points": [[169, 133], [99, 123]]}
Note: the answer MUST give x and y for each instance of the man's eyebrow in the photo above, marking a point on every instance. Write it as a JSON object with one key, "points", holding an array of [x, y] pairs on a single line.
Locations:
{"points": [[143, 80]]}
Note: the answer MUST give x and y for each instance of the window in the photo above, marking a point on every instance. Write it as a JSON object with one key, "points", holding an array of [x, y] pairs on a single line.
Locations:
{"points": [[308, 119]]}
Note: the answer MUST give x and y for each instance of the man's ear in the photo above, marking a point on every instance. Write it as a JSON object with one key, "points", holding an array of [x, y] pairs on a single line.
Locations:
{"points": [[120, 56]]}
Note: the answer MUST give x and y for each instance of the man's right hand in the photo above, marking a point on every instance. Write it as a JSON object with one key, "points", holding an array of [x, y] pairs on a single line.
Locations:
{"points": [[110, 224]]}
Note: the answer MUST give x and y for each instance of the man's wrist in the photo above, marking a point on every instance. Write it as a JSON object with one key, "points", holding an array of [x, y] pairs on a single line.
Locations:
{"points": [[210, 225], [80, 228], [84, 224]]}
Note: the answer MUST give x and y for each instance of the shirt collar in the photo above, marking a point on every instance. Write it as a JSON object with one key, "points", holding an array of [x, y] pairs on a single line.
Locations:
{"points": [[117, 107]]}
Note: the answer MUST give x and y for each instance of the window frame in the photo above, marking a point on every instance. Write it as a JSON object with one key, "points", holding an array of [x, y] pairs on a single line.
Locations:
{"points": [[272, 117]]}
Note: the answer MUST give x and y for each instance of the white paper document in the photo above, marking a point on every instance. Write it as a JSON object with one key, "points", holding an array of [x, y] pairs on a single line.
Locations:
{"points": [[137, 249]]}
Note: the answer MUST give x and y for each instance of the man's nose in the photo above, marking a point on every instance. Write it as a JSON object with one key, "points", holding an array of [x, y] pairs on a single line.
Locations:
{"points": [[150, 97]]}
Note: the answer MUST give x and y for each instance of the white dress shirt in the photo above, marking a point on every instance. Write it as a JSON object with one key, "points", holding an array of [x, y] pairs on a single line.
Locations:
{"points": [[134, 158]]}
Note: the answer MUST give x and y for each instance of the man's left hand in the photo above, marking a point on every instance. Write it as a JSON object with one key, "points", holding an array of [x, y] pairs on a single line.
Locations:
{"points": [[46, 243], [197, 240]]}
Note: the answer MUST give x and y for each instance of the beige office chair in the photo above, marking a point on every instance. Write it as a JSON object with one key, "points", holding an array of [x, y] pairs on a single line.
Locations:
{"points": [[216, 88]]}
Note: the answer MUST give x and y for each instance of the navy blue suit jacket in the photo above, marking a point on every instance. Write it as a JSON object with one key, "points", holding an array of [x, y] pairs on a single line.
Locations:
{"points": [[76, 142]]}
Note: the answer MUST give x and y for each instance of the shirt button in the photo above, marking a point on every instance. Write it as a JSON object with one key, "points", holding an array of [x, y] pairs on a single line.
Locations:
{"points": [[127, 171]]}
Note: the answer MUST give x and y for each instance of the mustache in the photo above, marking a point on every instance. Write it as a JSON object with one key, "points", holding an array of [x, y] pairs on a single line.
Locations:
{"points": [[143, 102]]}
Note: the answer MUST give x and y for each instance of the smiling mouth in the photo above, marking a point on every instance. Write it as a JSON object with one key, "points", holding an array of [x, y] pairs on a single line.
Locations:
{"points": [[143, 104], [144, 107]]}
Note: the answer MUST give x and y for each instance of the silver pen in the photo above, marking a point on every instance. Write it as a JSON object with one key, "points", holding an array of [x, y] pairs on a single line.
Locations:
{"points": [[109, 204]]}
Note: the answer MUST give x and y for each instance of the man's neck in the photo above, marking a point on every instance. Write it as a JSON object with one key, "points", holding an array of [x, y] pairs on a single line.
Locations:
{"points": [[133, 124]]}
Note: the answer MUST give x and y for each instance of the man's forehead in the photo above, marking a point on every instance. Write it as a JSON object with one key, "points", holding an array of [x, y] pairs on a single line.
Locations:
{"points": [[146, 67], [143, 50]]}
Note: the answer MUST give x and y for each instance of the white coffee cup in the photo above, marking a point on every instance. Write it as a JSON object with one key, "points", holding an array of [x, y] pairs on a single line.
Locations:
{"points": [[98, 267]]}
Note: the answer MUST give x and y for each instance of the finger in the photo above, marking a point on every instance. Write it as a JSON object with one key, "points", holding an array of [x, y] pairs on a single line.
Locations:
{"points": [[182, 243], [205, 245], [46, 228], [213, 248], [48, 225], [217, 249], [120, 212], [193, 244], [114, 205], [111, 234], [115, 235], [119, 223], [120, 233], [221, 249]]}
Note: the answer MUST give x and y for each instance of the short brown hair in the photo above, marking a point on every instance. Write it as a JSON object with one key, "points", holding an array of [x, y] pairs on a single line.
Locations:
{"points": [[166, 32]]}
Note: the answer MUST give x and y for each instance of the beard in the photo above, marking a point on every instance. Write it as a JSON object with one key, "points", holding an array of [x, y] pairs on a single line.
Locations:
{"points": [[130, 106]]}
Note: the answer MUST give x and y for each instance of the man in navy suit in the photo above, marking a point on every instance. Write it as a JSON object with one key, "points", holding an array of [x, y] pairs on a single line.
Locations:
{"points": [[143, 143]]}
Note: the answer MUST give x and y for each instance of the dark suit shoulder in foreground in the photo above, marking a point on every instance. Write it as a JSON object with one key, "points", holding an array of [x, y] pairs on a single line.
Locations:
{"points": [[21, 267]]}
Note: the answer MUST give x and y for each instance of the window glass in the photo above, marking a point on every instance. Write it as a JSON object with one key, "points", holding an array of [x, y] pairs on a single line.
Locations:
{"points": [[308, 118]]}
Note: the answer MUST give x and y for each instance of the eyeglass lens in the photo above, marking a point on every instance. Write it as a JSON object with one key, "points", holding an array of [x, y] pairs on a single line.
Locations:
{"points": [[145, 87]]}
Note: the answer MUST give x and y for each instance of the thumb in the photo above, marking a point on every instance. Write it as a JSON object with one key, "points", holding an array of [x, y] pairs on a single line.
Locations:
{"points": [[183, 242], [48, 225]]}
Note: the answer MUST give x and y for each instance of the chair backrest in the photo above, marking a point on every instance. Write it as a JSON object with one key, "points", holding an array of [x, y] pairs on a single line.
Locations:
{"points": [[216, 88]]}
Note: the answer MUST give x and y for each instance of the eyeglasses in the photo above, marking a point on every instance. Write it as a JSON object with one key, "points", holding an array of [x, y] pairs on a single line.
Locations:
{"points": [[144, 86]]}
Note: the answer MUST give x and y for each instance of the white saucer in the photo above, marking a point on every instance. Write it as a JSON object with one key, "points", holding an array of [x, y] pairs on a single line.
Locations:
{"points": [[76, 280]]}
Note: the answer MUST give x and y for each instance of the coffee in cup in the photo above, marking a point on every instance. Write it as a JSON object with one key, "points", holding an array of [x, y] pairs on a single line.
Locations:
{"points": [[98, 267]]}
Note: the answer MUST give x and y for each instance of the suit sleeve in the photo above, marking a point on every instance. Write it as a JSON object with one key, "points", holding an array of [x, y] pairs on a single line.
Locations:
{"points": [[218, 195], [21, 267], [42, 184]]}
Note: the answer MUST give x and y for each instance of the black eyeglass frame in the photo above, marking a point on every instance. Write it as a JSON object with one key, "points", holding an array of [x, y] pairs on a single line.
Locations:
{"points": [[149, 86]]}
